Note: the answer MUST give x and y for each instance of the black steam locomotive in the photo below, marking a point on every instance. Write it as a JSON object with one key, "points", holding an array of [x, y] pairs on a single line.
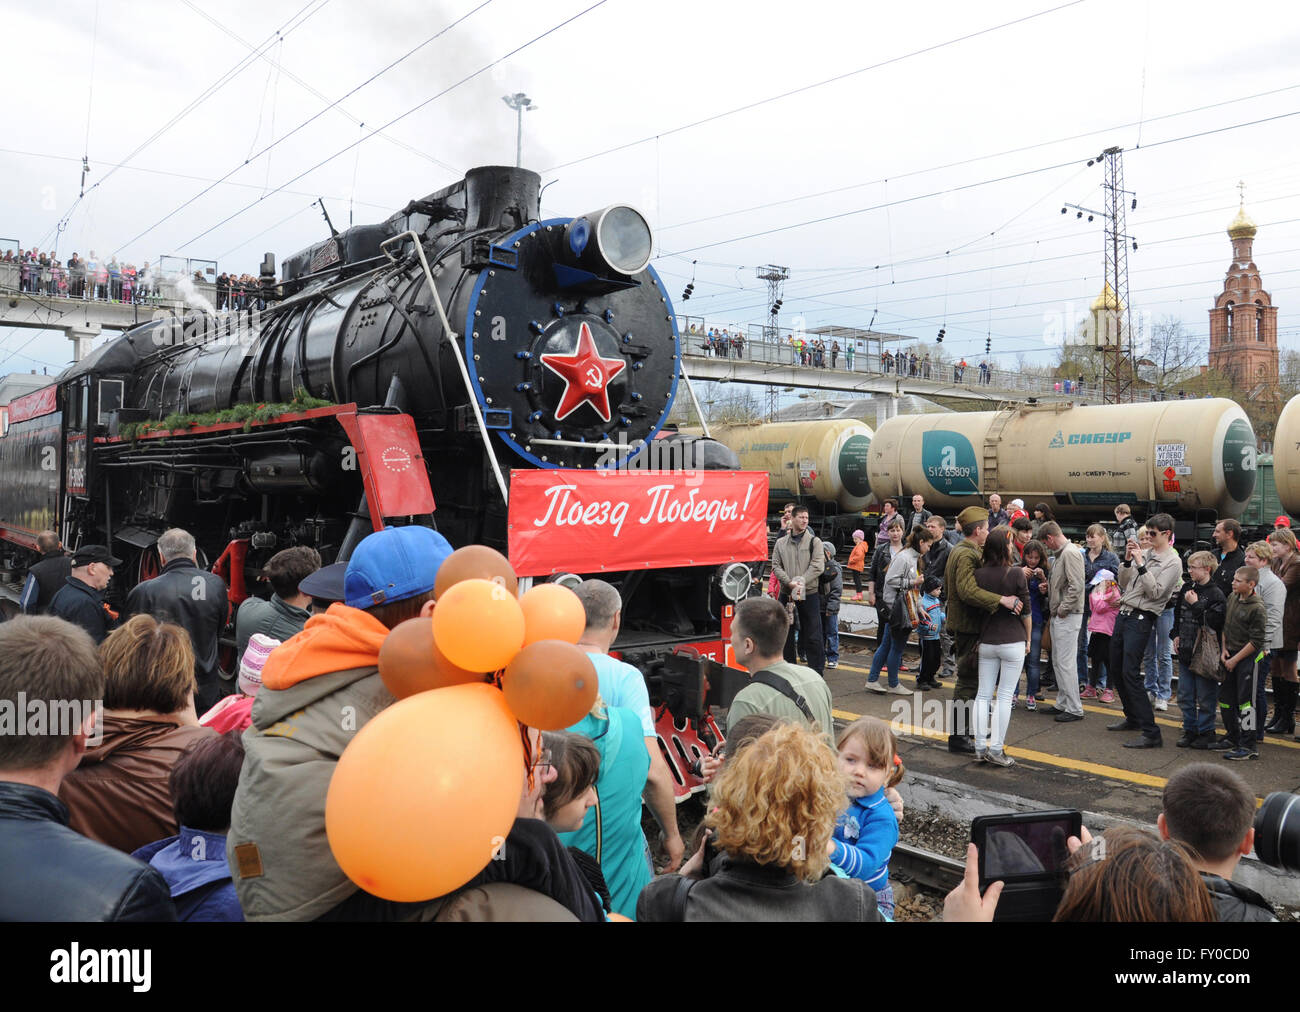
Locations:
{"points": [[458, 339]]}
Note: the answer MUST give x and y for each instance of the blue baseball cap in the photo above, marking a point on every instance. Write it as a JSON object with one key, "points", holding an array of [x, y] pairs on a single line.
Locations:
{"points": [[392, 565]]}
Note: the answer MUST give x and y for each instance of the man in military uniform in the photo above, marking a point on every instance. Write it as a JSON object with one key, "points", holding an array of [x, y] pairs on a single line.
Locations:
{"points": [[967, 606]]}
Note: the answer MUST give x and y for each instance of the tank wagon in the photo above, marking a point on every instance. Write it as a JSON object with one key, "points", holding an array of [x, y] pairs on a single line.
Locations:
{"points": [[1286, 457], [1193, 459], [822, 461]]}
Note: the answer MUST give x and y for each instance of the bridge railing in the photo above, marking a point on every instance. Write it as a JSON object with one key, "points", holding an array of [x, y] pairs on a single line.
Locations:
{"points": [[60, 283], [948, 374], [870, 364]]}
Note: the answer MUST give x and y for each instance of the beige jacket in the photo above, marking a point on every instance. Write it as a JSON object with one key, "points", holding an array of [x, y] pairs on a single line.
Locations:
{"points": [[1065, 582], [1150, 591], [806, 559]]}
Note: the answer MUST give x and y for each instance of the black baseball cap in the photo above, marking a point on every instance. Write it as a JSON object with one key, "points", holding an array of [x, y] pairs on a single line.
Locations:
{"points": [[87, 554], [326, 584]]}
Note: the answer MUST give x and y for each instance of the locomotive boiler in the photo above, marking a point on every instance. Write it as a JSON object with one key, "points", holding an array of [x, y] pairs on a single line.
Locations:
{"points": [[510, 341], [1180, 457]]}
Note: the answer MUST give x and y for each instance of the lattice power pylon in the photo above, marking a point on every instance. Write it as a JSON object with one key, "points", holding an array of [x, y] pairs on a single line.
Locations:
{"points": [[1113, 329], [775, 277]]}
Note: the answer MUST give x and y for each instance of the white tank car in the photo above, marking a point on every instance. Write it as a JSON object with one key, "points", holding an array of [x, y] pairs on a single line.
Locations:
{"points": [[1286, 456], [1081, 461], [824, 459]]}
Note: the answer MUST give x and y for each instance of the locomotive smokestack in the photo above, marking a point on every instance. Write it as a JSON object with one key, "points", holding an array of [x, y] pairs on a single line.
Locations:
{"points": [[499, 196]]}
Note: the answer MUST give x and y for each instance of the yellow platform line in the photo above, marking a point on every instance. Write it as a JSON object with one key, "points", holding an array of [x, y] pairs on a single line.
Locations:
{"points": [[1015, 751], [1177, 725]]}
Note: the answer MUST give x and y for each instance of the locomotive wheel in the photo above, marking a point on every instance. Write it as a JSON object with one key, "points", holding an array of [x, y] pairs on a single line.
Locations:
{"points": [[148, 564]]}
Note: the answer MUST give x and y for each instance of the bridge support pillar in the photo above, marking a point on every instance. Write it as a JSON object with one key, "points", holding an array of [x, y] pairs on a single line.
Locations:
{"points": [[82, 338], [886, 407]]}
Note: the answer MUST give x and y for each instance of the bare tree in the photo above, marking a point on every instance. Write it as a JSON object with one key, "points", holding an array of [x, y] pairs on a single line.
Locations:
{"points": [[1173, 357], [734, 404]]}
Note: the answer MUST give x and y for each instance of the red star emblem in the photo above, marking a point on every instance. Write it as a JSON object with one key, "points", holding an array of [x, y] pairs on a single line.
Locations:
{"points": [[586, 376]]}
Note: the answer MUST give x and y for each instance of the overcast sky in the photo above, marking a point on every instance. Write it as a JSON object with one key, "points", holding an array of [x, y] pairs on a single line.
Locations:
{"points": [[844, 182]]}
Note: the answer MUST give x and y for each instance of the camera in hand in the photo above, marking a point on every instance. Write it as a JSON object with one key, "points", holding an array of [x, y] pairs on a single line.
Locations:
{"points": [[1027, 852]]}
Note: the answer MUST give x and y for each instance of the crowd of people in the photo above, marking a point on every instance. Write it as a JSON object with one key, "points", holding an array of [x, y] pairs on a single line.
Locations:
{"points": [[239, 293], [189, 796], [93, 279], [90, 278], [987, 598], [718, 343]]}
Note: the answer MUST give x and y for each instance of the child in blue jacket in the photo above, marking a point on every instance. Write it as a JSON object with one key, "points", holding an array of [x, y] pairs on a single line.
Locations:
{"points": [[929, 631], [865, 835]]}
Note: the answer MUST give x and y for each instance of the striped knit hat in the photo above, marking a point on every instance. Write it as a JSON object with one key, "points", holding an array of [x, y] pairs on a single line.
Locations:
{"points": [[250, 665]]}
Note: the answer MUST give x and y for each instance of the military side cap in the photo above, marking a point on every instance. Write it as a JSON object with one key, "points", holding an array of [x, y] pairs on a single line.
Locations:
{"points": [[972, 515]]}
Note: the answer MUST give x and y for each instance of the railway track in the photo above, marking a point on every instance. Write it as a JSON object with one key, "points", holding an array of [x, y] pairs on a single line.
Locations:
{"points": [[925, 868]]}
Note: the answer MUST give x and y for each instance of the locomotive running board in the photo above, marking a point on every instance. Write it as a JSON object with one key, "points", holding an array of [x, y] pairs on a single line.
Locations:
{"points": [[452, 339]]}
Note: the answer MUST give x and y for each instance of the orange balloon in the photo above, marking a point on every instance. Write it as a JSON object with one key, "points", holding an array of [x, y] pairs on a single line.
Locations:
{"points": [[478, 625], [550, 685], [475, 562], [410, 661], [552, 612], [425, 793]]}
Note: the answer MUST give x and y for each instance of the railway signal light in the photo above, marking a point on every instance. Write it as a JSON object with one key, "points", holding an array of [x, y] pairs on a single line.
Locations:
{"points": [[939, 339]]}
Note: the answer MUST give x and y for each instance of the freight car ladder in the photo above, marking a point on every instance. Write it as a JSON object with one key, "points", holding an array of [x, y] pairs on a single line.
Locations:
{"points": [[989, 472]]}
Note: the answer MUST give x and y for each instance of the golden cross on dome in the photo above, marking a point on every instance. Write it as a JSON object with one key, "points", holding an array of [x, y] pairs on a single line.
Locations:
{"points": [[1241, 185]]}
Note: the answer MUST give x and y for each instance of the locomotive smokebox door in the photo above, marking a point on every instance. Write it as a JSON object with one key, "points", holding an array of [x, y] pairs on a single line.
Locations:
{"points": [[576, 373]]}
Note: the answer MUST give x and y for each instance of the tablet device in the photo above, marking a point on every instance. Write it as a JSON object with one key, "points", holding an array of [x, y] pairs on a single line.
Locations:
{"points": [[1027, 852]]}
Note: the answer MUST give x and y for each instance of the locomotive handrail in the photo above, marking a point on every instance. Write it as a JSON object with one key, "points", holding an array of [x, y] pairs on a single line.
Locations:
{"points": [[704, 422], [452, 338]]}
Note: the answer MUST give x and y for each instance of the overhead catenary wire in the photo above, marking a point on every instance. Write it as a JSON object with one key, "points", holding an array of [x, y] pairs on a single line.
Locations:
{"points": [[90, 96], [399, 118], [294, 22], [817, 84], [970, 186], [180, 175], [814, 296], [279, 68], [1034, 242], [903, 320], [311, 119], [980, 158]]}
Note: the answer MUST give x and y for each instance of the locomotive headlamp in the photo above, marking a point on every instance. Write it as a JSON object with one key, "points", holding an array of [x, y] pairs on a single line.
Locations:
{"points": [[616, 238], [735, 580]]}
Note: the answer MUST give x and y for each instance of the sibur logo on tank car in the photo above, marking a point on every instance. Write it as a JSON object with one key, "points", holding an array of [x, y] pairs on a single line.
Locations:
{"points": [[1087, 438]]}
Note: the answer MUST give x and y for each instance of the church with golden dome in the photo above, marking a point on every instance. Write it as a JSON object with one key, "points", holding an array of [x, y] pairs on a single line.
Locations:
{"points": [[1243, 322]]}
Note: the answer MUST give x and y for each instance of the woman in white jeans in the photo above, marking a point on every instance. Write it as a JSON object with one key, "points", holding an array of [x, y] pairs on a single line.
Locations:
{"points": [[1004, 643]]}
